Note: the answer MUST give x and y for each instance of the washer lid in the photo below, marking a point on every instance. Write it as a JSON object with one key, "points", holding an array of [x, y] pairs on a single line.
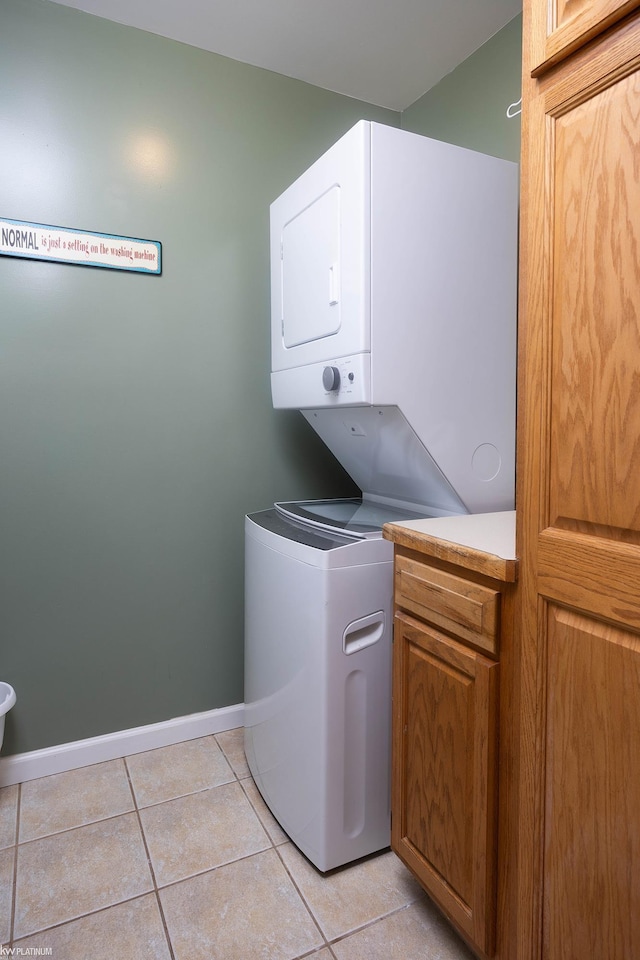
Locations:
{"points": [[381, 451], [354, 517]]}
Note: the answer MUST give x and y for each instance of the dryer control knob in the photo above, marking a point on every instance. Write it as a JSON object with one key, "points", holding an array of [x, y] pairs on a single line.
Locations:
{"points": [[331, 378]]}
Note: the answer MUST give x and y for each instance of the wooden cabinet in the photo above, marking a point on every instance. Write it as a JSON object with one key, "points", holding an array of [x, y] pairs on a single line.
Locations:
{"points": [[470, 611], [559, 27], [579, 493], [444, 780], [447, 635]]}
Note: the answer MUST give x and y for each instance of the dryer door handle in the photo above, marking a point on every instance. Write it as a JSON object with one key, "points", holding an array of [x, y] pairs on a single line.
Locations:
{"points": [[334, 284]]}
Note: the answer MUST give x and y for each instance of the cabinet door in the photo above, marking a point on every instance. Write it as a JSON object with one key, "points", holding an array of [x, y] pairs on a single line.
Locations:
{"points": [[579, 508], [444, 773], [560, 27]]}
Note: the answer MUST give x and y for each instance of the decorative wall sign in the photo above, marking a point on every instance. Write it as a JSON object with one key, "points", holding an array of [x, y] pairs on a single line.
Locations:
{"points": [[38, 241]]}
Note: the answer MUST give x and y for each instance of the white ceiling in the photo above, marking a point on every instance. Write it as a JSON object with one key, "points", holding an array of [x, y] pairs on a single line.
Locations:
{"points": [[386, 52]]}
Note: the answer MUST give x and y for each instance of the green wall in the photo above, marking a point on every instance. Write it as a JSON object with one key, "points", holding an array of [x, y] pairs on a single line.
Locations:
{"points": [[136, 426], [468, 107]]}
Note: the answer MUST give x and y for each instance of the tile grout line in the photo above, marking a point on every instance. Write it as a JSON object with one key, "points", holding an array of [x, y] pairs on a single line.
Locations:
{"points": [[343, 936], [181, 796], [206, 870], [156, 891], [163, 920], [122, 813], [79, 826], [258, 817], [301, 895], [14, 892], [312, 953], [240, 780], [371, 923], [83, 916], [275, 847]]}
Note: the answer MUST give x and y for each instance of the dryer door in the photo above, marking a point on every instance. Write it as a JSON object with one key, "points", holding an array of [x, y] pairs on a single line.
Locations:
{"points": [[320, 259], [310, 254]]}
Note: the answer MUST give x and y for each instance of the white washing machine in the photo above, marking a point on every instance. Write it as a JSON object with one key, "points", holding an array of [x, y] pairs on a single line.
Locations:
{"points": [[318, 608]]}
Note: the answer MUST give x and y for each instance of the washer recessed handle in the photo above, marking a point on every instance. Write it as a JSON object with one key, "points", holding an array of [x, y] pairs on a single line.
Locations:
{"points": [[363, 632]]}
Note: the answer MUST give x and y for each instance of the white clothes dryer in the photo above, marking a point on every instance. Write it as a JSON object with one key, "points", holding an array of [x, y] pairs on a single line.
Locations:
{"points": [[318, 628]]}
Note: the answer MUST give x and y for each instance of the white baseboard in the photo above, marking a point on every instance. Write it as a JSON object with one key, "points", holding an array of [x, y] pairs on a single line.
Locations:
{"points": [[81, 753]]}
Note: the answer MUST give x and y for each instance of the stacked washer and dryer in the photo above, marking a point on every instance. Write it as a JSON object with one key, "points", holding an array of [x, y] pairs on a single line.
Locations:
{"points": [[393, 330]]}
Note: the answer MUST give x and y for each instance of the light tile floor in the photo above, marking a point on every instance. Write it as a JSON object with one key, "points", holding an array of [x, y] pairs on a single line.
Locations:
{"points": [[173, 855]]}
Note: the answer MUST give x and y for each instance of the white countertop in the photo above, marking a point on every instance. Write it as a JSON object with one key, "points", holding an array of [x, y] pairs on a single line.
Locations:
{"points": [[493, 533]]}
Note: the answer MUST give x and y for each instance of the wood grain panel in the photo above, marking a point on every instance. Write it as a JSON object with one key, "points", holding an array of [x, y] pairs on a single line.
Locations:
{"points": [[440, 766], [599, 575], [592, 828], [469, 558], [570, 25], [445, 773], [578, 494], [453, 603], [595, 460], [533, 340]]}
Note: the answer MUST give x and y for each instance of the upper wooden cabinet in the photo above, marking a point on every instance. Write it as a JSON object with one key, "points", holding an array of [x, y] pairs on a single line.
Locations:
{"points": [[560, 27]]}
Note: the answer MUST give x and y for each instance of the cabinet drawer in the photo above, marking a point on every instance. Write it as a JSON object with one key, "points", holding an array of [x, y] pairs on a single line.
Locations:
{"points": [[469, 610]]}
